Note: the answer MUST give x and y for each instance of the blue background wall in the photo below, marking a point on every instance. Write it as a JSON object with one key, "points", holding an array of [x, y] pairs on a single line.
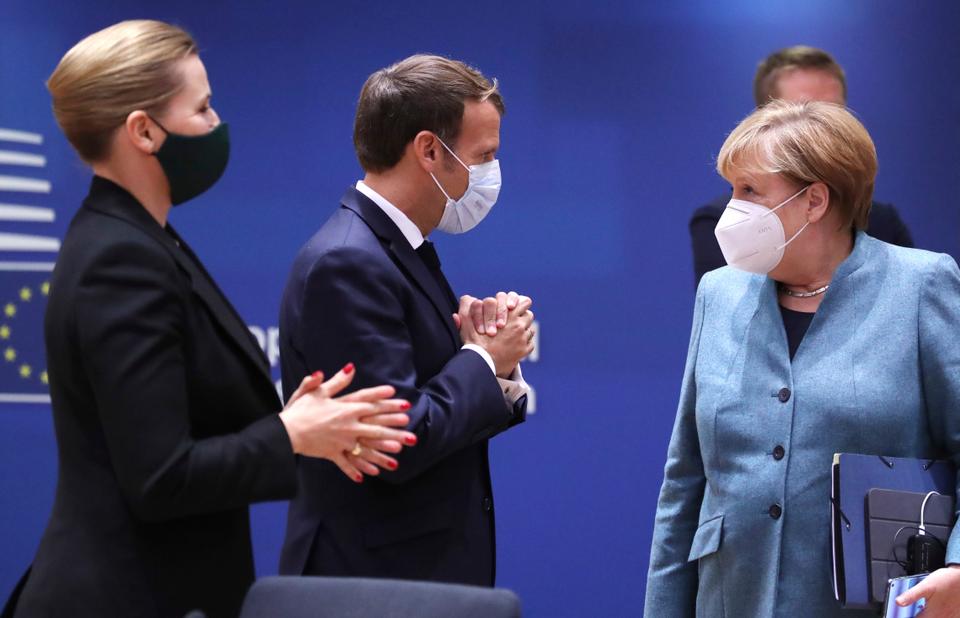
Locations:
{"points": [[615, 113]]}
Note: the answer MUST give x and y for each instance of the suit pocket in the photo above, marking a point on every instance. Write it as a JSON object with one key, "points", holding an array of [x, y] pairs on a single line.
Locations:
{"points": [[704, 549], [707, 539]]}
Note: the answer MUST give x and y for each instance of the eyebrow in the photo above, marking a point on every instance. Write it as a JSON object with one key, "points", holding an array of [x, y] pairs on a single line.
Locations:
{"points": [[745, 176]]}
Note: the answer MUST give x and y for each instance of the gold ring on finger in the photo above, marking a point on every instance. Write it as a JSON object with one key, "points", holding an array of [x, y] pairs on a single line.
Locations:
{"points": [[357, 449]]}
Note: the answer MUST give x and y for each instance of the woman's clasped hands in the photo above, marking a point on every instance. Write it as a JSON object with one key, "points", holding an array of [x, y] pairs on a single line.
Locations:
{"points": [[355, 431]]}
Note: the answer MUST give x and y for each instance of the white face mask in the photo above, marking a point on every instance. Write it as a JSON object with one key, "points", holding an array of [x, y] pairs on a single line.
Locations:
{"points": [[751, 237], [463, 215]]}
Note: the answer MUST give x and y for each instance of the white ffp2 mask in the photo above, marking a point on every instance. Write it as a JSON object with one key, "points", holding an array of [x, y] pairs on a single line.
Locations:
{"points": [[751, 236], [483, 188]]}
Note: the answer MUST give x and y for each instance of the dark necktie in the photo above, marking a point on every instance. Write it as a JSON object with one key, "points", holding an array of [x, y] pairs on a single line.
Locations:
{"points": [[428, 254]]}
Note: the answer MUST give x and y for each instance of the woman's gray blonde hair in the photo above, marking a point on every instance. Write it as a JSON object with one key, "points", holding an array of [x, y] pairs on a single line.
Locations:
{"points": [[806, 143]]}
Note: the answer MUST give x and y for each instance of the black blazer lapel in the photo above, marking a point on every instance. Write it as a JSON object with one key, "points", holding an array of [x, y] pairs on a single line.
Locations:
{"points": [[405, 256], [211, 295], [111, 199]]}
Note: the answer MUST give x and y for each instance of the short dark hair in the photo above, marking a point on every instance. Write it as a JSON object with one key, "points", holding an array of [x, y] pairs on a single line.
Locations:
{"points": [[419, 93], [796, 57]]}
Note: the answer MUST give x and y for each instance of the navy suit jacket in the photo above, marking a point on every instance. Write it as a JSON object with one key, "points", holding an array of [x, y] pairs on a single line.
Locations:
{"points": [[358, 292], [884, 224]]}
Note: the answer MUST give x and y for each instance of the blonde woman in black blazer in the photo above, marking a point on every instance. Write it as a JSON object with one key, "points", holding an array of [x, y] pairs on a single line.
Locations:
{"points": [[166, 416]]}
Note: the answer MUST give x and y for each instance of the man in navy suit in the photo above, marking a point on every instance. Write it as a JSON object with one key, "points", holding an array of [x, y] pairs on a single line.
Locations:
{"points": [[368, 288], [797, 73]]}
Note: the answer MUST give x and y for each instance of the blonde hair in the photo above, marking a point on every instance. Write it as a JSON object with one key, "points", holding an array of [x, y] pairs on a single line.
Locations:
{"points": [[126, 67], [808, 142]]}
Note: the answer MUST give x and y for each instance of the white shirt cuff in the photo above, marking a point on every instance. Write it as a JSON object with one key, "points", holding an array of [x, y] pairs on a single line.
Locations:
{"points": [[483, 353], [513, 387]]}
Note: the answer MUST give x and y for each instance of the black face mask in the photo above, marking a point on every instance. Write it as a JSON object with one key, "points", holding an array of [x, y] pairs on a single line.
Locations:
{"points": [[193, 163]]}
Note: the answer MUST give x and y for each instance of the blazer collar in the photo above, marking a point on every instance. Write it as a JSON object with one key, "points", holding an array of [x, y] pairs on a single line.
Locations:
{"points": [[863, 246], [388, 232], [113, 200], [768, 304]]}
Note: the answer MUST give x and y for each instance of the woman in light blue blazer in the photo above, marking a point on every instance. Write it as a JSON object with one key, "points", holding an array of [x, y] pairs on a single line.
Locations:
{"points": [[817, 339]]}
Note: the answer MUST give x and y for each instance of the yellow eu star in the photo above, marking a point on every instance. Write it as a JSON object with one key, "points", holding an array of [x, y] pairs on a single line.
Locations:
{"points": [[10, 310], [10, 355], [25, 294], [45, 288], [4, 332], [44, 377], [25, 371]]}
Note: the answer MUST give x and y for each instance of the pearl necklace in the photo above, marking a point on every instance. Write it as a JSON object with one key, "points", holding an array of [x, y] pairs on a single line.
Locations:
{"points": [[816, 292]]}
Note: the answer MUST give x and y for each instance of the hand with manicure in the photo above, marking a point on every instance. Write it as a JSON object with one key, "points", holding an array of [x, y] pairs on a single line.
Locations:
{"points": [[355, 431]]}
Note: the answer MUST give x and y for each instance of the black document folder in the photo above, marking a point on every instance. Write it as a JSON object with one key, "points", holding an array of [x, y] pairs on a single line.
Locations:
{"points": [[853, 477], [892, 518]]}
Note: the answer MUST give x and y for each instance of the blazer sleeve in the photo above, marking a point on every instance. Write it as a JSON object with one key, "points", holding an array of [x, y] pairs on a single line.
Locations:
{"points": [[707, 255], [901, 233], [671, 580], [129, 319], [886, 224], [352, 311], [939, 325]]}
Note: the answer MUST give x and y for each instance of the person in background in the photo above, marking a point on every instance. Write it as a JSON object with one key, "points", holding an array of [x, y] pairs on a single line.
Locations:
{"points": [[167, 421], [798, 73], [816, 339]]}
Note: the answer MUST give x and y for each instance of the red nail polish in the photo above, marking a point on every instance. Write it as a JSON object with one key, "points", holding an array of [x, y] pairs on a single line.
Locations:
{"points": [[411, 440], [348, 368], [392, 465], [405, 405], [358, 478], [318, 374]]}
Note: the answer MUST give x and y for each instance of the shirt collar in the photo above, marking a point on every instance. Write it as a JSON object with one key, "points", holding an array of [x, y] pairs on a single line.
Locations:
{"points": [[407, 227]]}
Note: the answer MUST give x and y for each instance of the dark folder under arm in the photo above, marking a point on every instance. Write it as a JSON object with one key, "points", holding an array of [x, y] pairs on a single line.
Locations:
{"points": [[893, 517], [854, 476]]}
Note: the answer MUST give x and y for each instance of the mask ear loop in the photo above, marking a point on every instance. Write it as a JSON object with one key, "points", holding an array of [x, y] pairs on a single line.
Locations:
{"points": [[781, 205], [442, 190], [437, 182], [154, 120], [162, 128], [794, 236], [465, 166], [784, 202]]}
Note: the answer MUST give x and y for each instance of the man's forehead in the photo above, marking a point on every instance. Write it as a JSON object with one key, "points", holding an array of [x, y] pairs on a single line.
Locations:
{"points": [[809, 84], [477, 141]]}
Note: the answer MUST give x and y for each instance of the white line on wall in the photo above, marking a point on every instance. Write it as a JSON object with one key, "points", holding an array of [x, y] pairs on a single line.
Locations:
{"points": [[26, 242], [21, 137], [16, 212], [23, 398], [26, 185], [26, 266], [11, 157]]}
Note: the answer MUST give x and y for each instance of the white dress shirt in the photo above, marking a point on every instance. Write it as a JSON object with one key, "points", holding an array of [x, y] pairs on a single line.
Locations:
{"points": [[513, 388]]}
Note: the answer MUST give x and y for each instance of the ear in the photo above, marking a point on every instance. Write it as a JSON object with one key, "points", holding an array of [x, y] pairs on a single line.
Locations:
{"points": [[425, 148], [818, 200], [143, 133]]}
